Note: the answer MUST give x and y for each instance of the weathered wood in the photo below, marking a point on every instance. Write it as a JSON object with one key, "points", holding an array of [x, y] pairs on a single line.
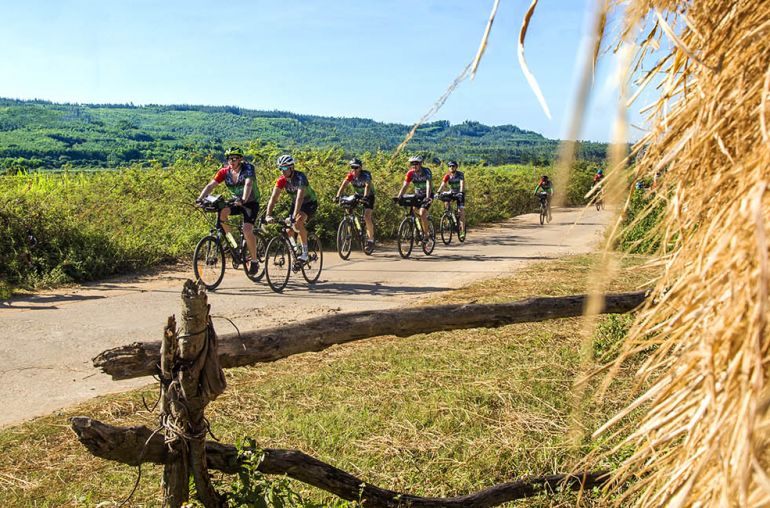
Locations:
{"points": [[125, 445], [270, 344], [174, 484]]}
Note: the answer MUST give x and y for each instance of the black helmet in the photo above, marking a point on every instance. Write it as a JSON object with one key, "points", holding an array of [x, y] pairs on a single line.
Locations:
{"points": [[452, 164], [355, 163]]}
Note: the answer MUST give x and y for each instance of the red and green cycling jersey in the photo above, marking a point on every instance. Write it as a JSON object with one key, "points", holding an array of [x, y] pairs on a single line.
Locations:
{"points": [[544, 186], [235, 182], [294, 183], [419, 179], [454, 180], [360, 182]]}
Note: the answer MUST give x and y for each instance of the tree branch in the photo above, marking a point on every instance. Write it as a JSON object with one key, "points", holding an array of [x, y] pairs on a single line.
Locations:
{"points": [[270, 344], [132, 445]]}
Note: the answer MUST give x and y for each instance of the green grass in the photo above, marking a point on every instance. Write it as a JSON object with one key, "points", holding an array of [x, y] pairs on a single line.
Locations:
{"points": [[434, 414]]}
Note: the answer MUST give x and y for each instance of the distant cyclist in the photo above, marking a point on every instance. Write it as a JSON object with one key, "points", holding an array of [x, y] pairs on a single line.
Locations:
{"points": [[361, 180], [599, 176], [241, 180], [455, 180], [422, 179], [304, 201], [545, 186]]}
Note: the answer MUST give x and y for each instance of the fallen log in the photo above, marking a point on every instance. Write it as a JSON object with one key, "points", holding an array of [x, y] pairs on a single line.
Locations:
{"points": [[135, 445], [270, 344]]}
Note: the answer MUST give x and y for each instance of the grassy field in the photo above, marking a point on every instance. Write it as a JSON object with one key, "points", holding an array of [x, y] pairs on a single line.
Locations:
{"points": [[435, 414]]}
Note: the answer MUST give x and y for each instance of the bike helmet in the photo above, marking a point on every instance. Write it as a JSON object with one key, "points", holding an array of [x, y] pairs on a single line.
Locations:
{"points": [[415, 158], [600, 172], [234, 150], [544, 178], [355, 163], [285, 160], [452, 164]]}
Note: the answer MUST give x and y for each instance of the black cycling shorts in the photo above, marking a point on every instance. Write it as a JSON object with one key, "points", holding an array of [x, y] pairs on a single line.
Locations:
{"points": [[424, 201], [368, 202], [249, 210], [308, 207], [460, 198]]}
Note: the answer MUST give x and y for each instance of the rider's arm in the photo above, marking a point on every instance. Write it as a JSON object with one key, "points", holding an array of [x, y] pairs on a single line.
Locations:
{"points": [[207, 189], [247, 192], [429, 188], [298, 202], [342, 187], [443, 182], [403, 188], [462, 185], [273, 199]]}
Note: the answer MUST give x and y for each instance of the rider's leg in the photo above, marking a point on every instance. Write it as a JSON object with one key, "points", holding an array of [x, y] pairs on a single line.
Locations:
{"points": [[251, 240], [461, 212], [423, 213], [369, 224], [300, 225], [224, 213]]}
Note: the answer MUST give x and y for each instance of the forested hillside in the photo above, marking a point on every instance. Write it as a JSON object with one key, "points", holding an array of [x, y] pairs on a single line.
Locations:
{"points": [[41, 134]]}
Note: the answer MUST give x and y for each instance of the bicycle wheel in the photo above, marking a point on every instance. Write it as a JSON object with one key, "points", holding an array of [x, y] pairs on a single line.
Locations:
{"points": [[598, 205], [405, 238], [261, 248], [315, 259], [548, 215], [446, 228], [344, 239], [542, 214], [430, 242], [277, 263], [209, 262]]}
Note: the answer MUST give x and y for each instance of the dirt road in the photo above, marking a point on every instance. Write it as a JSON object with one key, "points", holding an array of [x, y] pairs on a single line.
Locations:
{"points": [[50, 338]]}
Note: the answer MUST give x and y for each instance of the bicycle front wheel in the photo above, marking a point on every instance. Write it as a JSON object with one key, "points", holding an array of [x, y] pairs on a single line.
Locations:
{"points": [[446, 228], [548, 215], [261, 248], [461, 231], [344, 239], [277, 263], [405, 238], [209, 262], [311, 270], [542, 214], [430, 243]]}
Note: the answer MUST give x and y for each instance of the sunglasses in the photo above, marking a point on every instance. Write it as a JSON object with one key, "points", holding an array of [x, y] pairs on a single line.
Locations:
{"points": [[354, 167], [414, 163], [285, 168], [234, 158]]}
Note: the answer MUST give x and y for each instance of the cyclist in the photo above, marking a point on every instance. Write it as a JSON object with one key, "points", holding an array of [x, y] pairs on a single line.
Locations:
{"points": [[304, 201], [598, 177], [455, 180], [241, 180], [361, 180], [545, 186], [422, 179]]}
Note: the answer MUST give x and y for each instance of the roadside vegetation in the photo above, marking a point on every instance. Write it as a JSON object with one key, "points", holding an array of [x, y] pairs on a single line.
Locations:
{"points": [[76, 226], [435, 414]]}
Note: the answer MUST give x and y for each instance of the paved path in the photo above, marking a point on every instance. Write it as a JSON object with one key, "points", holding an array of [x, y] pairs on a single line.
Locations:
{"points": [[50, 338]]}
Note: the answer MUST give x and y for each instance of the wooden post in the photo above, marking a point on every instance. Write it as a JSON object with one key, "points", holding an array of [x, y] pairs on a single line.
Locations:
{"points": [[183, 358]]}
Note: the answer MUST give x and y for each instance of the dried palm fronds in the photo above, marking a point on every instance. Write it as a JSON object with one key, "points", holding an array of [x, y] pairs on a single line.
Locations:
{"points": [[704, 383]]}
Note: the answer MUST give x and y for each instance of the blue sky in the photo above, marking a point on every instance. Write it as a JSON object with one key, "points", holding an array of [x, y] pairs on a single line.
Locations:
{"points": [[386, 60]]}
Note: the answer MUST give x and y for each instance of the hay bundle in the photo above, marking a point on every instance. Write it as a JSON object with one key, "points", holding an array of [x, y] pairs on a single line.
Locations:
{"points": [[703, 440]]}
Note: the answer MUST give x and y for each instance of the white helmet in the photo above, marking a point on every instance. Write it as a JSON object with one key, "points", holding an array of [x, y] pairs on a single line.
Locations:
{"points": [[285, 160], [415, 158]]}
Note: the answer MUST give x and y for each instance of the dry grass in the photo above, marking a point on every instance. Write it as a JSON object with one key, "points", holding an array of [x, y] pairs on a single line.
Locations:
{"points": [[704, 438]]}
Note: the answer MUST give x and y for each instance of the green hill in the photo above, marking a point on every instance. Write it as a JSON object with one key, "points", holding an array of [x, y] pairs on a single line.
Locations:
{"points": [[41, 134]]}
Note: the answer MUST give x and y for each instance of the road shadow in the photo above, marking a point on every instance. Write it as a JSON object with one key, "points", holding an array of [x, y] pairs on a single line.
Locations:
{"points": [[44, 302]]}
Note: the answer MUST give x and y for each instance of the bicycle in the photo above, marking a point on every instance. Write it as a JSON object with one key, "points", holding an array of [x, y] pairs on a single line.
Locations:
{"points": [[450, 223], [352, 225], [410, 229], [209, 256], [282, 257], [545, 207], [599, 201]]}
